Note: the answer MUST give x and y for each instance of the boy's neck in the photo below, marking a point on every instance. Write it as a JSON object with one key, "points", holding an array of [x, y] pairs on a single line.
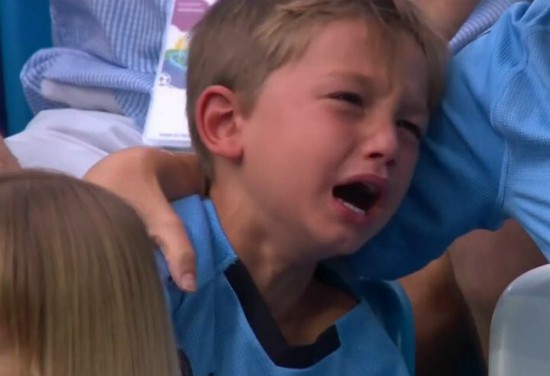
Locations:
{"points": [[281, 279], [302, 306]]}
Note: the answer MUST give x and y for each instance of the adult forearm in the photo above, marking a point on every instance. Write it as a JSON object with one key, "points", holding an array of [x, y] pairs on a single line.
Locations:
{"points": [[177, 174], [146, 178], [485, 263]]}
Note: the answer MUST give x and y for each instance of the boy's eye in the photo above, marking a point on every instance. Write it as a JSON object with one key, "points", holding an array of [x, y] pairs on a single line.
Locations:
{"points": [[411, 127], [349, 97]]}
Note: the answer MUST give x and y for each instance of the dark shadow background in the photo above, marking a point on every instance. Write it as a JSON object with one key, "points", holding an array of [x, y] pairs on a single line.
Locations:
{"points": [[2, 101]]}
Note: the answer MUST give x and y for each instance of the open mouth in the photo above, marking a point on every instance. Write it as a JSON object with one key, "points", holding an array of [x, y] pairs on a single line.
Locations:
{"points": [[358, 197]]}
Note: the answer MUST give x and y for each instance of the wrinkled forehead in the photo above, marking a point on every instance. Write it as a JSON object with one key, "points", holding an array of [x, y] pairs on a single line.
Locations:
{"points": [[403, 61], [367, 45], [401, 65], [408, 65], [354, 46]]}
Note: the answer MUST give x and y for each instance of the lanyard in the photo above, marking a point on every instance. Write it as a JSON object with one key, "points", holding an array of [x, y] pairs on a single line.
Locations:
{"points": [[166, 124]]}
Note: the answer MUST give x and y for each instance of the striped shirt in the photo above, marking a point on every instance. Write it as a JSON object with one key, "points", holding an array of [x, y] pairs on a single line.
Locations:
{"points": [[113, 47]]}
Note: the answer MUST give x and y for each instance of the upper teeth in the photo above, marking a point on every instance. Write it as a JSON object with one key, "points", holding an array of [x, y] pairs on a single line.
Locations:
{"points": [[352, 207]]}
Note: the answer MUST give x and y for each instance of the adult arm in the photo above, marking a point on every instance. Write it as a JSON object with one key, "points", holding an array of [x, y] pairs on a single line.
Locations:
{"points": [[444, 334], [147, 177], [484, 263]]}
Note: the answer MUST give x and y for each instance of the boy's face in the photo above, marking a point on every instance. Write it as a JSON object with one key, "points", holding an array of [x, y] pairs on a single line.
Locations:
{"points": [[332, 141]]}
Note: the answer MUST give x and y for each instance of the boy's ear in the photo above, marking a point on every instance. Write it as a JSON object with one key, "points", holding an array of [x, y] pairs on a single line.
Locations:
{"points": [[216, 121]]}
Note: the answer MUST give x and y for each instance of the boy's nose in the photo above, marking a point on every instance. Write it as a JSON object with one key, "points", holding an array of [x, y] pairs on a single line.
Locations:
{"points": [[381, 143]]}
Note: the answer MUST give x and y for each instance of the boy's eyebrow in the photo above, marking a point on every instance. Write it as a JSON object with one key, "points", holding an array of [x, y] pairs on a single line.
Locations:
{"points": [[358, 78], [416, 107], [410, 104], [368, 85]]}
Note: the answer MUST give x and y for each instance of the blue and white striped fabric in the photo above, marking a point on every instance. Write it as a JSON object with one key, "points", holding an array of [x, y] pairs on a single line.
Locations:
{"points": [[115, 45], [481, 19], [105, 44]]}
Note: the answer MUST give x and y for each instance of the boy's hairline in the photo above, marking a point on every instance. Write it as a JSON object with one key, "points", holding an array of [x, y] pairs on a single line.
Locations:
{"points": [[372, 22], [381, 30]]}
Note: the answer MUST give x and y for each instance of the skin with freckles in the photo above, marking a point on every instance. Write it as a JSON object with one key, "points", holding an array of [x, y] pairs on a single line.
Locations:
{"points": [[350, 112]]}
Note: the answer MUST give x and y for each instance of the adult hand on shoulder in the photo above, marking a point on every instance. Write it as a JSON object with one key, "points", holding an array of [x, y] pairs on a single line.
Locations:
{"points": [[8, 161], [148, 178]]}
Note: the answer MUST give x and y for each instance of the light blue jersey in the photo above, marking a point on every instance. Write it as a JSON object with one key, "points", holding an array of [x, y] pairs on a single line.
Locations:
{"points": [[225, 327], [487, 154]]}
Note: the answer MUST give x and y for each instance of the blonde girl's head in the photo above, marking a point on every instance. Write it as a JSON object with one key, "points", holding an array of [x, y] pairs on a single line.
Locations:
{"points": [[79, 290]]}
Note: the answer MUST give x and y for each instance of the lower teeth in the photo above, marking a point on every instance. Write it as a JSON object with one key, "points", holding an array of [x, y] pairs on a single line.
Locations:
{"points": [[352, 208]]}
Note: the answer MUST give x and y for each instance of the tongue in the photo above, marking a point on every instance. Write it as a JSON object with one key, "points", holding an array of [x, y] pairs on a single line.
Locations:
{"points": [[368, 198]]}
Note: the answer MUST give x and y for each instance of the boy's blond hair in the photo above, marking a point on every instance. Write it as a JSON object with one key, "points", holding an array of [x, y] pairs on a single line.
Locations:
{"points": [[240, 42], [80, 294]]}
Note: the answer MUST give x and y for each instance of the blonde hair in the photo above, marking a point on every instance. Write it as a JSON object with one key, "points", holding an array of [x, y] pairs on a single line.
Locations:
{"points": [[80, 293], [240, 42]]}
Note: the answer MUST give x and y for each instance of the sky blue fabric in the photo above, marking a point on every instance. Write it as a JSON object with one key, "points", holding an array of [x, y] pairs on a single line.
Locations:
{"points": [[487, 154], [212, 328]]}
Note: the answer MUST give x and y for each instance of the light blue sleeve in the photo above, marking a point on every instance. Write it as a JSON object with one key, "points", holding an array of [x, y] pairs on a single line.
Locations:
{"points": [[522, 115], [487, 154]]}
